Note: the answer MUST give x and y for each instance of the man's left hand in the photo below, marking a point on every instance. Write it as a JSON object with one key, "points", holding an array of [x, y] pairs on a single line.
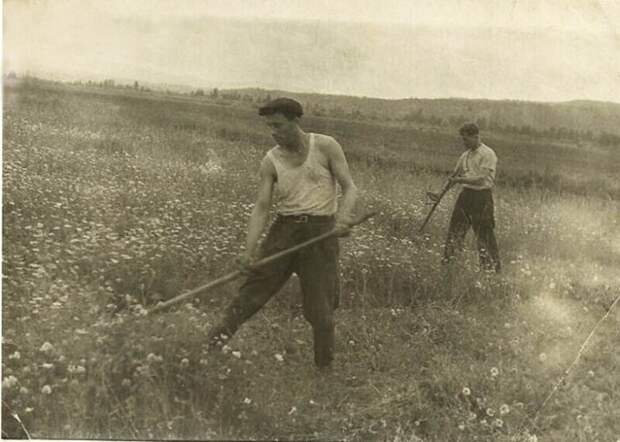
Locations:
{"points": [[344, 223]]}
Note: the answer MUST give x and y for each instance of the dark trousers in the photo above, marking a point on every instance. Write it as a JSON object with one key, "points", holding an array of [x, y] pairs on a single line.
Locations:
{"points": [[474, 208], [317, 268]]}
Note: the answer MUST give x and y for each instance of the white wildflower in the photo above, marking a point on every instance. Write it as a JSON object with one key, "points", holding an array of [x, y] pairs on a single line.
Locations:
{"points": [[46, 347], [9, 382]]}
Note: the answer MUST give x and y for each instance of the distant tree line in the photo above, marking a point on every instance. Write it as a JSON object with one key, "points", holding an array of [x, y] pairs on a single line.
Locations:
{"points": [[368, 112], [111, 84], [419, 116]]}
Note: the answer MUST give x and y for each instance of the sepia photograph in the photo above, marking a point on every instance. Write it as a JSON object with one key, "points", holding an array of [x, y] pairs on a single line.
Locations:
{"points": [[311, 220]]}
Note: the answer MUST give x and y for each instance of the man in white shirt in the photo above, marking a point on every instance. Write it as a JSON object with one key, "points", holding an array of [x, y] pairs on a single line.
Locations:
{"points": [[475, 171]]}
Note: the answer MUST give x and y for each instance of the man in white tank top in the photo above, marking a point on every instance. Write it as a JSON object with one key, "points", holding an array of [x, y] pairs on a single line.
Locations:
{"points": [[304, 170]]}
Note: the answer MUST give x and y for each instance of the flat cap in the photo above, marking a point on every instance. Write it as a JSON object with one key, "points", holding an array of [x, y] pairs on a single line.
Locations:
{"points": [[286, 106]]}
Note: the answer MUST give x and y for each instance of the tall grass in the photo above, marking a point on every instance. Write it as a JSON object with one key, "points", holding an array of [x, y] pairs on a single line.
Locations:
{"points": [[113, 203]]}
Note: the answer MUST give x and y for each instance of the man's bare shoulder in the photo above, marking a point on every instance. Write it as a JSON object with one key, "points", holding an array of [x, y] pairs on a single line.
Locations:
{"points": [[327, 144], [267, 168]]}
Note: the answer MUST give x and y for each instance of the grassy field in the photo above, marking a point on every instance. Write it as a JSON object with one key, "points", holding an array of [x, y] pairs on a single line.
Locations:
{"points": [[112, 202]]}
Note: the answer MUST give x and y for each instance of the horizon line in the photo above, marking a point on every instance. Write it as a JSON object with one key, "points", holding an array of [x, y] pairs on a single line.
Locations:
{"points": [[47, 77]]}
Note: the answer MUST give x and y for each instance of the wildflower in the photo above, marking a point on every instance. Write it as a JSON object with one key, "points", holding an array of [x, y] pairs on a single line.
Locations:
{"points": [[24, 390], [498, 423], [247, 401], [9, 382], [279, 357], [226, 349], [532, 438], [46, 389], [490, 412], [472, 416], [46, 347], [494, 371], [590, 373], [466, 391], [542, 357], [461, 427], [15, 355], [504, 409], [151, 357]]}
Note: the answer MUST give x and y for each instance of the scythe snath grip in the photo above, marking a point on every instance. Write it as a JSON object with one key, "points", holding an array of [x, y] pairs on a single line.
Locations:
{"points": [[237, 273], [441, 195]]}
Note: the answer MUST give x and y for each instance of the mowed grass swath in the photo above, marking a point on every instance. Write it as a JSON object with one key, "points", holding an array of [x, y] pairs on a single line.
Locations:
{"points": [[113, 202]]}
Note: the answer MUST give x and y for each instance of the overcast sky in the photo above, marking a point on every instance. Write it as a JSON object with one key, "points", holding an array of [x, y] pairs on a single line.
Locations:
{"points": [[546, 50]]}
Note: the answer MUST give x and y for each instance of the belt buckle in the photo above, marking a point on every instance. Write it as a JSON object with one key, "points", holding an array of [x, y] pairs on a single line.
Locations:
{"points": [[301, 219]]}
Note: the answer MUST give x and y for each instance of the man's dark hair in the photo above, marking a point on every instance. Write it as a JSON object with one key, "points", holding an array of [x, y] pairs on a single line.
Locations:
{"points": [[285, 106], [469, 129]]}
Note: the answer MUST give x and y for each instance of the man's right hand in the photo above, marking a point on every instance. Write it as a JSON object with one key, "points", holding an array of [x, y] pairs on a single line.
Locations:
{"points": [[245, 262]]}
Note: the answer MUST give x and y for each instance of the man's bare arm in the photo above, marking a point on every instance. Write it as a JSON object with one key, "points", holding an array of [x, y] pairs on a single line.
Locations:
{"points": [[434, 196], [340, 168], [458, 170], [260, 213], [472, 180], [477, 180]]}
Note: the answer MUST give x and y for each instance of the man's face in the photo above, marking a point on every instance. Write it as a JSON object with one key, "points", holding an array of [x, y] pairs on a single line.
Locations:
{"points": [[471, 141], [283, 130]]}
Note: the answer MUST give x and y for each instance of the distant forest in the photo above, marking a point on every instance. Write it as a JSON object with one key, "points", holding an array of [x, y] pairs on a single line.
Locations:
{"points": [[573, 121]]}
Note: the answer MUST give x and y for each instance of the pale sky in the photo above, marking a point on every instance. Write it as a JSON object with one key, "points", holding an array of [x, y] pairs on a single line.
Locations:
{"points": [[548, 50], [580, 15]]}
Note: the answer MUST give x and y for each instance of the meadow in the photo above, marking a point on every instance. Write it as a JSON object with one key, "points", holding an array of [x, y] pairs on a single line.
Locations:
{"points": [[112, 202]]}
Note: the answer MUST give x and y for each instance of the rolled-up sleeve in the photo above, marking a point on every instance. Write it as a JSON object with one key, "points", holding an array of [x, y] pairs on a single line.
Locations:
{"points": [[489, 165]]}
